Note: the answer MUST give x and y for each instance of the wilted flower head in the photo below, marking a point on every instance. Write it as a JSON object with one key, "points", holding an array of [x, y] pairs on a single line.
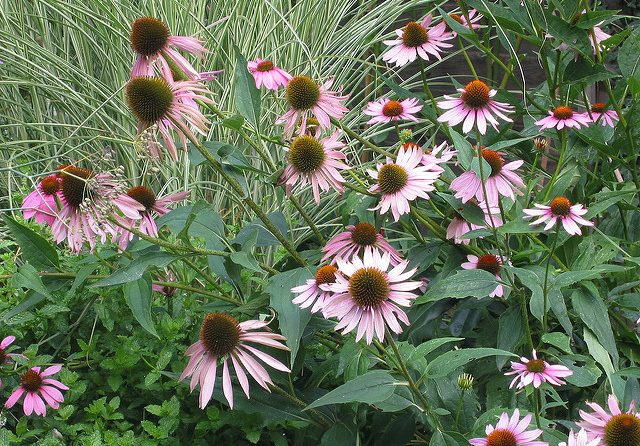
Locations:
{"points": [[224, 339], [170, 106], [153, 42], [306, 99]]}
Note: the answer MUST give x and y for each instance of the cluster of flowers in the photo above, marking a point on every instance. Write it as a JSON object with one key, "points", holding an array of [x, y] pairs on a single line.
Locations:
{"points": [[37, 386]]}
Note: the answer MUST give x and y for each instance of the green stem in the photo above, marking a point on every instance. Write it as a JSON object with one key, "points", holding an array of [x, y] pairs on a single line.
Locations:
{"points": [[362, 140], [563, 148], [545, 290], [459, 409]]}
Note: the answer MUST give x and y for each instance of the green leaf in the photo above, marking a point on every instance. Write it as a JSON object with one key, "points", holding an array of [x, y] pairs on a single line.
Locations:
{"points": [[370, 388], [465, 283], [469, 210], [510, 332], [574, 37], [246, 95], [138, 296], [134, 270], [593, 18], [532, 281], [452, 360], [593, 312], [27, 277], [629, 55], [581, 71], [563, 280], [465, 150], [427, 347], [292, 319], [559, 340], [32, 299], [510, 143], [35, 249], [265, 238]]}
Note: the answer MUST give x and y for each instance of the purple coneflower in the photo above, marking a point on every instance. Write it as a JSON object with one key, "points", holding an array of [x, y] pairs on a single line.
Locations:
{"points": [[563, 116], [42, 202], [4, 354], [510, 432], [223, 339], [475, 106], [152, 42], [580, 439], [306, 99], [172, 107], [311, 294], [368, 297], [490, 263], [614, 428], [437, 155], [152, 205], [355, 241], [559, 210], [502, 180], [417, 40], [315, 161], [459, 226], [403, 181], [388, 110], [600, 113], [536, 371], [38, 390], [265, 73], [474, 18]]}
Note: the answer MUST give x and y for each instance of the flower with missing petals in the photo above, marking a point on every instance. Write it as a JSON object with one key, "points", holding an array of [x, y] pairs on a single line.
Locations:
{"points": [[226, 341], [490, 263], [42, 203], [600, 113]]}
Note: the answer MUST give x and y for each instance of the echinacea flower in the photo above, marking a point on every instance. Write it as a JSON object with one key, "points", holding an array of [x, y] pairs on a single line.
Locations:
{"points": [[502, 180], [265, 73], [614, 428], [388, 110], [459, 226], [368, 297], [536, 371], [170, 106], [311, 294], [38, 390], [166, 290], [580, 439], [417, 40], [153, 42], [510, 432], [224, 339], [88, 200], [559, 210], [475, 106], [306, 99], [438, 155], [403, 181], [4, 354], [598, 37], [153, 205], [490, 263], [42, 203], [356, 240], [474, 18], [600, 113], [563, 116], [315, 161]]}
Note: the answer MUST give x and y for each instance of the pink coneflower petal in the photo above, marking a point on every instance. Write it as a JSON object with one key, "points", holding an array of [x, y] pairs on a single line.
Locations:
{"points": [[417, 40], [510, 431], [536, 371], [615, 427], [386, 110], [35, 388], [42, 203], [563, 116], [490, 263], [560, 210], [458, 226], [265, 73], [355, 240]]}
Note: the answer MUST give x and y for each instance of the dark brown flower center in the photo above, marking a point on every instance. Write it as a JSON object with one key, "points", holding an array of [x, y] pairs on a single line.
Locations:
{"points": [[143, 195], [220, 333], [49, 185], [369, 287], [149, 36], [560, 206], [306, 154], [536, 365], [74, 185], [563, 112], [599, 107], [364, 234], [494, 159], [31, 381], [457, 18], [501, 437], [3, 356], [414, 34], [392, 178], [489, 263], [149, 98], [476, 94], [622, 430], [265, 65], [302, 93], [392, 108], [326, 274]]}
